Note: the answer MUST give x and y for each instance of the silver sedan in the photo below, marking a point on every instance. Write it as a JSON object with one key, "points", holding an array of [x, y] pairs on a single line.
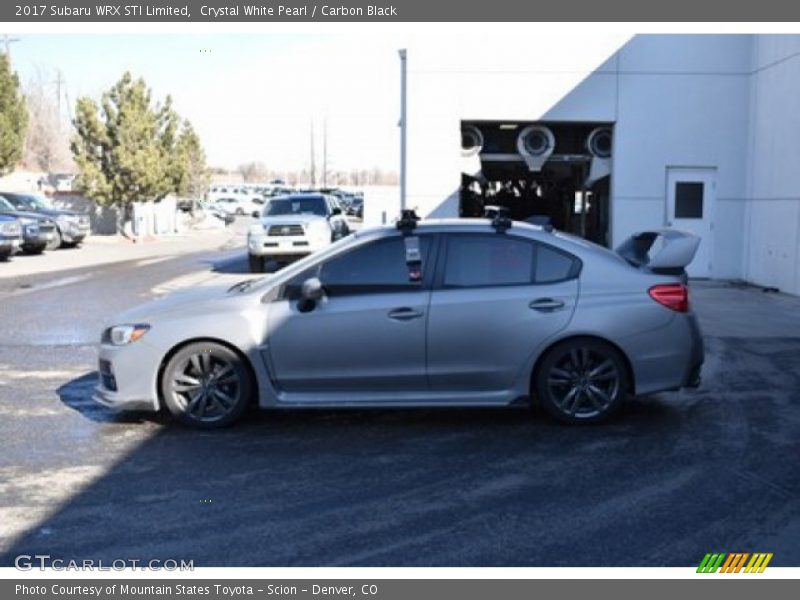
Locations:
{"points": [[441, 313]]}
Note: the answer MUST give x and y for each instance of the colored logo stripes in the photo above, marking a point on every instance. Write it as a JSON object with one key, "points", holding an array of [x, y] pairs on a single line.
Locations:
{"points": [[734, 562]]}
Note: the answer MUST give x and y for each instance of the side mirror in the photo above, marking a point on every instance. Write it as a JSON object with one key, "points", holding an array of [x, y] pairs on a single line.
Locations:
{"points": [[256, 214], [336, 211], [312, 289]]}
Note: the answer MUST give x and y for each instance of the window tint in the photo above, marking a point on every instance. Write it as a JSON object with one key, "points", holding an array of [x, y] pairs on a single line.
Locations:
{"points": [[488, 260], [379, 266], [552, 265]]}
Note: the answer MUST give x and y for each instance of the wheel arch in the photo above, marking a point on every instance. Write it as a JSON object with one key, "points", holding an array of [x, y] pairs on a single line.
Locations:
{"points": [[630, 376], [178, 347]]}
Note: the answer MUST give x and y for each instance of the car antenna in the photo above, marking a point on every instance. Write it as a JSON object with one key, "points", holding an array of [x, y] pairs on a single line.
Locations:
{"points": [[408, 221], [501, 222]]}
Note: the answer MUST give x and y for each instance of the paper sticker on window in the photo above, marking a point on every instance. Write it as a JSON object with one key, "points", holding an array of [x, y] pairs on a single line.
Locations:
{"points": [[413, 258]]}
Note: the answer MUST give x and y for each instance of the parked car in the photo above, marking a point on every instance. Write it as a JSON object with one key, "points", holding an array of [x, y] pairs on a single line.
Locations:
{"points": [[294, 226], [37, 230], [72, 227], [239, 205], [356, 207], [450, 313], [10, 236]]}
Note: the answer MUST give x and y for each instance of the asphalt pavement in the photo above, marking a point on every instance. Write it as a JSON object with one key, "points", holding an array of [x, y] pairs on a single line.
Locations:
{"points": [[674, 476]]}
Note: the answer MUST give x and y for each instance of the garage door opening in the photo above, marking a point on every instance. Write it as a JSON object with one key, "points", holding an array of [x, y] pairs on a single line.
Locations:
{"points": [[543, 173]]}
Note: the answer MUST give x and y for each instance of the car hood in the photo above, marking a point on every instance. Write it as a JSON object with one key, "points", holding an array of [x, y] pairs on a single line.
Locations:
{"points": [[24, 214], [197, 300], [57, 212], [291, 219]]}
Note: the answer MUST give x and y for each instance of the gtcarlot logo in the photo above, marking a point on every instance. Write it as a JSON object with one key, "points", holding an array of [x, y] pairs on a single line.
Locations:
{"points": [[734, 562], [28, 562]]}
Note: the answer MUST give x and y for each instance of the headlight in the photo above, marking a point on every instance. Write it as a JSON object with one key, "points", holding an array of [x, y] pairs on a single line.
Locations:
{"points": [[122, 335], [10, 228]]}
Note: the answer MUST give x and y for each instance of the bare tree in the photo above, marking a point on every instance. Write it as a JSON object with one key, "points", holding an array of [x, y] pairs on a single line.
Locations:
{"points": [[47, 140], [253, 171]]}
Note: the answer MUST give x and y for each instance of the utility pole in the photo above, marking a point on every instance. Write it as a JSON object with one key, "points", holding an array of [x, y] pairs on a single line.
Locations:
{"points": [[313, 163], [325, 153], [403, 128], [59, 82], [8, 40]]}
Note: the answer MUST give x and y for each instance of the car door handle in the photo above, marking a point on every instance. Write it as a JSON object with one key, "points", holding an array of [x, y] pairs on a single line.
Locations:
{"points": [[546, 304], [404, 314]]}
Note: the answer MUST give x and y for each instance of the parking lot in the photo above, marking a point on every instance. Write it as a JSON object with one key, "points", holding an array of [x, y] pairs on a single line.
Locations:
{"points": [[672, 477]]}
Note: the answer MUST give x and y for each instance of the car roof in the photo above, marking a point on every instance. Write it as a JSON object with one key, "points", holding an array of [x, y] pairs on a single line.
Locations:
{"points": [[565, 241]]}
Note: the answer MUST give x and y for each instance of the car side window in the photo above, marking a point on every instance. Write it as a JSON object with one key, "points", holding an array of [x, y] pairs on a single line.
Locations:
{"points": [[490, 260], [481, 260], [375, 267], [554, 265]]}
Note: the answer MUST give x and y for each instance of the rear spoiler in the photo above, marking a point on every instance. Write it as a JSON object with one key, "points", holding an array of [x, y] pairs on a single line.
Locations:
{"points": [[661, 251]]}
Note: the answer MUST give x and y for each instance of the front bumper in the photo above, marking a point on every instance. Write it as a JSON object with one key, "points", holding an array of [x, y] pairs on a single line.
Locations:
{"points": [[265, 245], [127, 377], [74, 234], [9, 245], [36, 239]]}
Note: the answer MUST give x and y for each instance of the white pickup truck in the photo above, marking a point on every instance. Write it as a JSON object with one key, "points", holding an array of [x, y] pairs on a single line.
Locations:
{"points": [[294, 226]]}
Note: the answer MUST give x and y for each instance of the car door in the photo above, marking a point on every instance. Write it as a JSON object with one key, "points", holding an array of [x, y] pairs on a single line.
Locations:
{"points": [[496, 299], [367, 334]]}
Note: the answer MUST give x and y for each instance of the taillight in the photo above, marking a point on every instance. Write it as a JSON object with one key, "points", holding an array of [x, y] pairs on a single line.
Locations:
{"points": [[674, 296]]}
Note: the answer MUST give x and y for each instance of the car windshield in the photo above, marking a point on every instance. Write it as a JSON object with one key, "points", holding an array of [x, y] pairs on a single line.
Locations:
{"points": [[297, 206], [24, 202], [5, 204]]}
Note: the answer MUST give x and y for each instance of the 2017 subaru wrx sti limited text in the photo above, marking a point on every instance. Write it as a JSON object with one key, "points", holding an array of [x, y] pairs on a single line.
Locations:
{"points": [[464, 312]]}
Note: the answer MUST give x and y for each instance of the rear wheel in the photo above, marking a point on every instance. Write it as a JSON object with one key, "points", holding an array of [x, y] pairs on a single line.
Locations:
{"points": [[582, 381], [256, 263], [206, 385]]}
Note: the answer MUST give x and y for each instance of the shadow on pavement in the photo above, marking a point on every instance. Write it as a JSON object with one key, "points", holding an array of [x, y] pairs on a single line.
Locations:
{"points": [[77, 394]]}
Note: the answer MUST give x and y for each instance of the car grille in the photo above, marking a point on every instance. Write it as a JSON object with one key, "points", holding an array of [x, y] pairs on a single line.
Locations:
{"points": [[278, 230], [107, 378], [46, 226]]}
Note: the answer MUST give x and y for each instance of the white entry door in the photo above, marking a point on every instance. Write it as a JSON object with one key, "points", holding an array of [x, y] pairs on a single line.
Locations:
{"points": [[691, 199]]}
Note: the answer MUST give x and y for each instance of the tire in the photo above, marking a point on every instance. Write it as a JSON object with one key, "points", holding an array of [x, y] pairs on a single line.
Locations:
{"points": [[206, 385], [55, 243], [582, 380], [256, 263]]}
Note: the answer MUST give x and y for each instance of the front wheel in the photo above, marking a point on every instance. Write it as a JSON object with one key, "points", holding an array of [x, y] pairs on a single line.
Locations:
{"points": [[206, 385], [582, 381]]}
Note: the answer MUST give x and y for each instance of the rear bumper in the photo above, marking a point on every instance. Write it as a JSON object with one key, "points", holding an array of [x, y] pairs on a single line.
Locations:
{"points": [[667, 358], [697, 355]]}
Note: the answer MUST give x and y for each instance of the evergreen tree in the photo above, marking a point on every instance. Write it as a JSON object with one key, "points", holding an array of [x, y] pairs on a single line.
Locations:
{"points": [[13, 117], [129, 150]]}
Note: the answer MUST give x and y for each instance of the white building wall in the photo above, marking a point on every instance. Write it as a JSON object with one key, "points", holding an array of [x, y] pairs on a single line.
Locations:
{"points": [[772, 218]]}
